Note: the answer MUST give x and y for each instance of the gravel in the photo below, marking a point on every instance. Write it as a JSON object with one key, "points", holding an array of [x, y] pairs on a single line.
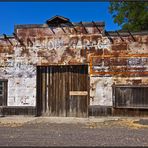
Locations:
{"points": [[43, 133]]}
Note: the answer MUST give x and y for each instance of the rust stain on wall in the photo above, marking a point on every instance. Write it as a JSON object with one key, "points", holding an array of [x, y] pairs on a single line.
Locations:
{"points": [[120, 62]]}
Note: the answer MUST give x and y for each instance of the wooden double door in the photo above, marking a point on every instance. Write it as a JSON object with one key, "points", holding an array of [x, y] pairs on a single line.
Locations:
{"points": [[63, 90]]}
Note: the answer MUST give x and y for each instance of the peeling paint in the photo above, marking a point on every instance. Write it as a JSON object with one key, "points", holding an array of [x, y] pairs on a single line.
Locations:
{"points": [[42, 47]]}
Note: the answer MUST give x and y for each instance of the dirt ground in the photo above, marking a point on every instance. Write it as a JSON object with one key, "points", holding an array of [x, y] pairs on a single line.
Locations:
{"points": [[47, 131]]}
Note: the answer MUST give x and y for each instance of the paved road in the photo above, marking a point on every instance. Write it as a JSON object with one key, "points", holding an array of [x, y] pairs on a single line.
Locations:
{"points": [[43, 132]]}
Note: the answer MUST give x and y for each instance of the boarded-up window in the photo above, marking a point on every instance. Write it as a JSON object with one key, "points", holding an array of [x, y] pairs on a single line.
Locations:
{"points": [[130, 96], [3, 92]]}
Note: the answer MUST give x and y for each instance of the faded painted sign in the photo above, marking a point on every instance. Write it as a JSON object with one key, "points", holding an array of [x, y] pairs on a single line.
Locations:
{"points": [[125, 65]]}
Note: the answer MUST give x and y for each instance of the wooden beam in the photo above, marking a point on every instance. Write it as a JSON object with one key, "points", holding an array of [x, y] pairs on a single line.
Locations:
{"points": [[62, 28], [107, 34], [84, 27], [29, 41], [120, 36], [96, 26], [132, 36], [73, 27], [19, 40], [7, 39], [52, 30]]}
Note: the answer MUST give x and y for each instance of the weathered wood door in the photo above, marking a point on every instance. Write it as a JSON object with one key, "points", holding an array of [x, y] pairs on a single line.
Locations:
{"points": [[3, 92], [63, 90]]}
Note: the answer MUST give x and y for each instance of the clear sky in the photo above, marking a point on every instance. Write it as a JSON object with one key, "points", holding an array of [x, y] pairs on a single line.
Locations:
{"points": [[13, 13]]}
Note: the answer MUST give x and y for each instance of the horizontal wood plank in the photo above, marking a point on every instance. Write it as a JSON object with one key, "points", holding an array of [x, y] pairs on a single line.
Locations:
{"points": [[78, 93]]}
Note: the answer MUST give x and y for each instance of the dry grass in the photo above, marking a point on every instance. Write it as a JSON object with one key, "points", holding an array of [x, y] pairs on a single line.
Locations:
{"points": [[10, 124], [128, 123], [131, 124]]}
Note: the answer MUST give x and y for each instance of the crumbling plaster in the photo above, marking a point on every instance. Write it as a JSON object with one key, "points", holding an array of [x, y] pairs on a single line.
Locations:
{"points": [[42, 47]]}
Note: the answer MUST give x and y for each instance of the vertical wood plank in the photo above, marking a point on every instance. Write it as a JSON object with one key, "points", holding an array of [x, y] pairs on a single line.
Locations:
{"points": [[75, 87], [43, 91], [58, 90], [40, 87], [53, 97], [62, 91], [78, 98], [5, 93], [55, 82], [68, 88], [52, 92]]}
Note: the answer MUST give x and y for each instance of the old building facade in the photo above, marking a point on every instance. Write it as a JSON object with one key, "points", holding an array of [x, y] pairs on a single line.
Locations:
{"points": [[73, 69]]}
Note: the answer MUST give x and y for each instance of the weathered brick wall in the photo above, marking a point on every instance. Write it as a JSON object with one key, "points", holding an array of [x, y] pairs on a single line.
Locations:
{"points": [[40, 46]]}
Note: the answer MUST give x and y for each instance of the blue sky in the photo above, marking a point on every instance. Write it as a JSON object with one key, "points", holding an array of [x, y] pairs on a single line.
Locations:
{"points": [[12, 13]]}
